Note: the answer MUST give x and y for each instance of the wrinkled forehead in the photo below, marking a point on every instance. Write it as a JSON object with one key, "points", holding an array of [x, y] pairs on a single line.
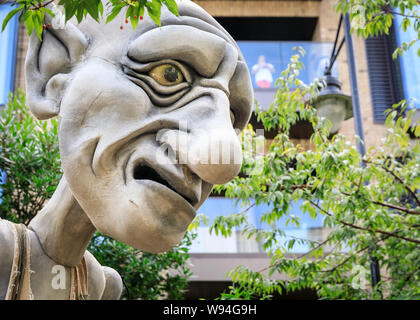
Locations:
{"points": [[193, 31]]}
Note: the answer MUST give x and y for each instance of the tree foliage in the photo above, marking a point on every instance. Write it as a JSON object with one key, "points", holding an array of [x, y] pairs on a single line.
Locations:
{"points": [[32, 12], [30, 158], [371, 206], [374, 17], [146, 276]]}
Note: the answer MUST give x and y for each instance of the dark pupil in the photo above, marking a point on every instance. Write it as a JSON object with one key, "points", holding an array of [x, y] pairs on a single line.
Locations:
{"points": [[171, 74]]}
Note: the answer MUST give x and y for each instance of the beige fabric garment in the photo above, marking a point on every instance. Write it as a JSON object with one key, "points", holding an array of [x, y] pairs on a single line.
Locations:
{"points": [[79, 281], [20, 277]]}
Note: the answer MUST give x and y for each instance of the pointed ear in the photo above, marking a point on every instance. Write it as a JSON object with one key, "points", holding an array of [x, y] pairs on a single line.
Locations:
{"points": [[48, 64]]}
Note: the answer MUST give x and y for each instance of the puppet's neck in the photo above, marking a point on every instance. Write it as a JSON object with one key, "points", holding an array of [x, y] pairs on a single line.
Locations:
{"points": [[63, 228]]}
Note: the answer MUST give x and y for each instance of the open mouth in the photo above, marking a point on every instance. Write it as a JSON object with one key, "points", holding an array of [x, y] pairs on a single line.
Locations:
{"points": [[145, 172]]}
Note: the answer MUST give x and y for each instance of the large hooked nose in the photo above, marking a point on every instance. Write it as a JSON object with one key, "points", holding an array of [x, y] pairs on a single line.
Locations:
{"points": [[208, 144], [212, 154]]}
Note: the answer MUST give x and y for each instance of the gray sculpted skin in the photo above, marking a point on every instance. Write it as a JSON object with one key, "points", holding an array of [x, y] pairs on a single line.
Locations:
{"points": [[130, 102]]}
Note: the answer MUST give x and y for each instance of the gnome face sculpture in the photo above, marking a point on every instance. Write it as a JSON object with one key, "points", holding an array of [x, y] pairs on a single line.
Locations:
{"points": [[148, 118]]}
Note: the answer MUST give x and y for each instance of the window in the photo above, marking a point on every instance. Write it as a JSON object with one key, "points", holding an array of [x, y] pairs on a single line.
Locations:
{"points": [[267, 59], [383, 80], [275, 55], [309, 229], [8, 44], [392, 80], [409, 62]]}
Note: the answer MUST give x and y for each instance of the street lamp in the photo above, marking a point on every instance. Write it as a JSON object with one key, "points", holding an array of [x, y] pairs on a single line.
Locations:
{"points": [[332, 104]]}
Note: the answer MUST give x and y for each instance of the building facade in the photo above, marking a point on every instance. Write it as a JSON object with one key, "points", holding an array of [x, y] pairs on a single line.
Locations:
{"points": [[266, 31]]}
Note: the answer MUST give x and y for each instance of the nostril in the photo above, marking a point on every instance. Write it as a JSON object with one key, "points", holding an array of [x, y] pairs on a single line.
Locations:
{"points": [[142, 172]]}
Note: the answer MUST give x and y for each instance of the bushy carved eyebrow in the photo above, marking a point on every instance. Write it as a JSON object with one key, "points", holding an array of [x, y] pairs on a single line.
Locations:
{"points": [[201, 50]]}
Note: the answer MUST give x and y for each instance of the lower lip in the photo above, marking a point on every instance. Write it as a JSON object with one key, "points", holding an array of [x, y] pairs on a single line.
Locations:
{"points": [[170, 193]]}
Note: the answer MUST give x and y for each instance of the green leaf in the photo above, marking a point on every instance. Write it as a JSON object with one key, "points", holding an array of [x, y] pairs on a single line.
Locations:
{"points": [[29, 23], [9, 16], [134, 18], [101, 8], [154, 11], [69, 10], [79, 14], [115, 11], [395, 53], [92, 7], [141, 12], [417, 131], [172, 6], [38, 21]]}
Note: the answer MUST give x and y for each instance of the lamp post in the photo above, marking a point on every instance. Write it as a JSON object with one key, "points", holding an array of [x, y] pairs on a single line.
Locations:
{"points": [[331, 103], [358, 125], [331, 94]]}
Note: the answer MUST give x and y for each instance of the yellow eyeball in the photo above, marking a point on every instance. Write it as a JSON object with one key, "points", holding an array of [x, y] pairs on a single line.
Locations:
{"points": [[167, 74]]}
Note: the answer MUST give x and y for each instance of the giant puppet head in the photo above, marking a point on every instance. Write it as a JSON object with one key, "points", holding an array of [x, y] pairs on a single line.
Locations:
{"points": [[140, 113]]}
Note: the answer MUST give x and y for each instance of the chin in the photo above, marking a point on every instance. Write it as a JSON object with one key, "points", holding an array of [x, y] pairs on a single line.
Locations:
{"points": [[145, 215]]}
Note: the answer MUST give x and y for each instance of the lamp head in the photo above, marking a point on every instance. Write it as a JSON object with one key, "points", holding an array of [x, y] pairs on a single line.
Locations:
{"points": [[332, 103]]}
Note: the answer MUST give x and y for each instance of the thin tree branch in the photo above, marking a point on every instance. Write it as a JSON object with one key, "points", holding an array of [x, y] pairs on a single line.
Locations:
{"points": [[315, 248], [388, 205], [388, 9], [392, 206], [355, 253], [391, 234], [295, 187], [345, 260], [399, 179], [319, 244], [413, 194], [42, 5]]}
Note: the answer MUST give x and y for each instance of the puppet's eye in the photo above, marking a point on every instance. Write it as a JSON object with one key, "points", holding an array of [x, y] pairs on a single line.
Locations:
{"points": [[167, 74]]}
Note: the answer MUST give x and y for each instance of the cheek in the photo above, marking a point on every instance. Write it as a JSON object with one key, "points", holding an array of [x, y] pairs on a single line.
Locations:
{"points": [[101, 97]]}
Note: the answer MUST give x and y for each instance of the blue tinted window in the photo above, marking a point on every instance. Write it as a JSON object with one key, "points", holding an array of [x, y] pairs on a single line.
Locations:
{"points": [[8, 43], [409, 62], [2, 181], [217, 206], [267, 59]]}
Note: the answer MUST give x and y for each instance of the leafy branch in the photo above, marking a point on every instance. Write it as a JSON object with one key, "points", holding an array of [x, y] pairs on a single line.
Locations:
{"points": [[391, 234], [33, 14], [400, 180]]}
